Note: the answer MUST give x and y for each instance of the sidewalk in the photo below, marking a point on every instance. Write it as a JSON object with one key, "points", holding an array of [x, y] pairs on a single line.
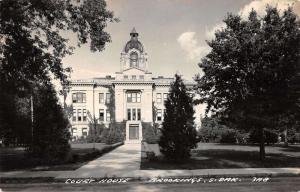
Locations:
{"points": [[125, 162], [125, 159]]}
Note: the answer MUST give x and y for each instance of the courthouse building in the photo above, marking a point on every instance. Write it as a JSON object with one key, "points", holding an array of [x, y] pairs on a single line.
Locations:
{"points": [[136, 92]]}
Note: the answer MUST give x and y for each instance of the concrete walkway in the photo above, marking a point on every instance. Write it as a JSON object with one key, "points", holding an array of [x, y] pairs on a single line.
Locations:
{"points": [[117, 163], [125, 161]]}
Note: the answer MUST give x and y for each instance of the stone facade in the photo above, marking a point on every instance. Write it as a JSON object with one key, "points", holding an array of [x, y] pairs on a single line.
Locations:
{"points": [[134, 93]]}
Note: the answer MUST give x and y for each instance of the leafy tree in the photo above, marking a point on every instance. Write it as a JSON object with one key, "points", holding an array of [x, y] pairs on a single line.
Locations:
{"points": [[32, 46], [251, 73], [178, 133], [211, 129], [50, 126], [270, 137], [15, 121]]}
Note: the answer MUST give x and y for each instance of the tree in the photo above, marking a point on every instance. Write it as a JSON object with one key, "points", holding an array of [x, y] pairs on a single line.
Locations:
{"points": [[32, 45], [251, 71], [50, 126], [178, 133], [95, 129]]}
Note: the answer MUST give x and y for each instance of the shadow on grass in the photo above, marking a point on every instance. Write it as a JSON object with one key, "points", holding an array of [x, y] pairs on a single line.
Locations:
{"points": [[291, 149], [221, 159], [12, 160]]}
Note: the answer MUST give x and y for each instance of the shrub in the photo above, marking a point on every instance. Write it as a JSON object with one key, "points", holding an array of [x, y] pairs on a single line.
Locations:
{"points": [[242, 138], [210, 130], [291, 135], [150, 133], [95, 132], [270, 137], [114, 134], [228, 136], [150, 155]]}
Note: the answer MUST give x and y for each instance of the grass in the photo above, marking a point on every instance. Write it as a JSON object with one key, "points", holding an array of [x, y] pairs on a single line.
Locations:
{"points": [[215, 156], [16, 159]]}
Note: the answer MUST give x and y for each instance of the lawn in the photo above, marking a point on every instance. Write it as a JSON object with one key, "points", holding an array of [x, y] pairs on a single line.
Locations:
{"points": [[219, 156], [15, 159]]}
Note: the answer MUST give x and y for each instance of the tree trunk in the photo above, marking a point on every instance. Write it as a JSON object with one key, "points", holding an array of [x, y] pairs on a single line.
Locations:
{"points": [[286, 144], [262, 152]]}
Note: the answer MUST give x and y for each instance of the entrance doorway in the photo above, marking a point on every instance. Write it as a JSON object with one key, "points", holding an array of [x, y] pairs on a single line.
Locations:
{"points": [[133, 132]]}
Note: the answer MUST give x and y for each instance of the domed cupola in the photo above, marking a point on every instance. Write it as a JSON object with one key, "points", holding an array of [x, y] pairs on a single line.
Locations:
{"points": [[134, 42], [133, 54]]}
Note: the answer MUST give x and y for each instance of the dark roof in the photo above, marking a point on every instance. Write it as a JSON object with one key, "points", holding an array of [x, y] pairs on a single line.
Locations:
{"points": [[134, 42]]}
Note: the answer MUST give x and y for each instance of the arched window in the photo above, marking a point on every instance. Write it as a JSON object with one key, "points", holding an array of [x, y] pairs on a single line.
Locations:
{"points": [[133, 59]]}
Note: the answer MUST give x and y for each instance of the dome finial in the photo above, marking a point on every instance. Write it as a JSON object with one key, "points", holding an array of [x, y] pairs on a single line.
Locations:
{"points": [[133, 33]]}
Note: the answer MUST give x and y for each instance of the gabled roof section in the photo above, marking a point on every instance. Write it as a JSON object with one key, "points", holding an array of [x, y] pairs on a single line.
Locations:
{"points": [[134, 68]]}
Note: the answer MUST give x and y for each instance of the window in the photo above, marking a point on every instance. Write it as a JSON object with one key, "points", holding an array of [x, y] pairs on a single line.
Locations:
{"points": [[133, 59], [126, 77], [129, 114], [79, 114], [101, 97], [129, 96], [101, 115], [141, 77], [159, 115], [138, 114], [158, 97], [84, 132], [79, 97], [133, 114], [74, 98], [107, 98], [74, 131], [133, 97], [138, 97], [84, 114], [165, 97], [74, 115], [133, 77], [107, 115]]}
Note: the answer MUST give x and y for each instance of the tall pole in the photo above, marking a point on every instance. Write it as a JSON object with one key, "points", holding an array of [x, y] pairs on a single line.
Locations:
{"points": [[31, 110], [94, 118]]}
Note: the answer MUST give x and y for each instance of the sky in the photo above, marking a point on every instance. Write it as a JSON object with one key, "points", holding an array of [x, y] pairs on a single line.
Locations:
{"points": [[173, 32]]}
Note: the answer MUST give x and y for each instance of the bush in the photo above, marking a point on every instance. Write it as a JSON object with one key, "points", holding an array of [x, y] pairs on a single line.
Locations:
{"points": [[291, 135], [95, 132], [114, 134], [297, 137], [270, 137], [242, 138], [150, 155], [150, 133], [210, 130], [228, 136]]}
